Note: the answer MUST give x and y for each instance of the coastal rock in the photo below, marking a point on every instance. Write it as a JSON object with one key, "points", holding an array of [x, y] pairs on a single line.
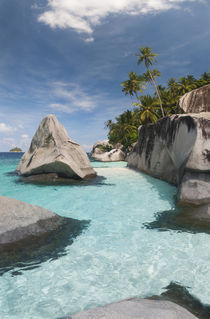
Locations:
{"points": [[196, 101], [19, 220], [52, 151], [174, 147], [105, 152], [136, 308], [195, 188]]}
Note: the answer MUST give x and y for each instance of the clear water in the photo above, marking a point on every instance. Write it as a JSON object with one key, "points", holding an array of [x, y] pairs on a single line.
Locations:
{"points": [[115, 257]]}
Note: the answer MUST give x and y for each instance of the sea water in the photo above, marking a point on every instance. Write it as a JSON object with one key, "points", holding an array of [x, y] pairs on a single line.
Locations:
{"points": [[115, 257]]}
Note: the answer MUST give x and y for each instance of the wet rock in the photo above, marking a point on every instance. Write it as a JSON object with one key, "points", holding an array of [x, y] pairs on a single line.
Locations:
{"points": [[52, 151], [196, 101], [136, 308]]}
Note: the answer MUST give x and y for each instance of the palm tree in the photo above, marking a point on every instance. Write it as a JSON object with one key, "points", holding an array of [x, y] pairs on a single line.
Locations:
{"points": [[145, 55], [133, 85], [185, 85], [147, 109]]}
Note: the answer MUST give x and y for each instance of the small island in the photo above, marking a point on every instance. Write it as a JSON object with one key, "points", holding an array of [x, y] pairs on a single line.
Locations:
{"points": [[16, 149]]}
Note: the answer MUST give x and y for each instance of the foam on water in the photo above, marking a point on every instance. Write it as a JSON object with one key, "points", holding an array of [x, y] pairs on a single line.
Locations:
{"points": [[116, 257]]}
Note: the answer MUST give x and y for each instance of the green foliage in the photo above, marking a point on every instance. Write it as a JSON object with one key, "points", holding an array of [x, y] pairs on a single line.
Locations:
{"points": [[147, 110], [106, 148], [16, 149], [134, 85]]}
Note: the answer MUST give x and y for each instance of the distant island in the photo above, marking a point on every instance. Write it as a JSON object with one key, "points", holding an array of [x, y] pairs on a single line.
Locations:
{"points": [[16, 149]]}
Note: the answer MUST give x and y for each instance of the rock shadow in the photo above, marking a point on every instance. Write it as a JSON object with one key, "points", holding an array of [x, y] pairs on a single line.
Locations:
{"points": [[29, 253], [181, 296], [52, 179], [182, 219]]}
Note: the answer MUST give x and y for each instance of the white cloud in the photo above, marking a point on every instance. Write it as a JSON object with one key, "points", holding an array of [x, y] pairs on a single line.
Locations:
{"points": [[84, 15], [25, 136], [72, 97], [6, 129], [89, 40], [9, 141], [61, 108], [24, 141]]}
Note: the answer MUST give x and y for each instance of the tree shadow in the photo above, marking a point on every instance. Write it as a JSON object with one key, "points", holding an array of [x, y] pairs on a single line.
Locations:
{"points": [[29, 253]]}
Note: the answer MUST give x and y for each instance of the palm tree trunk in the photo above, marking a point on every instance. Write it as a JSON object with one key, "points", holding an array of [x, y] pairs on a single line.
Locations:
{"points": [[157, 91]]}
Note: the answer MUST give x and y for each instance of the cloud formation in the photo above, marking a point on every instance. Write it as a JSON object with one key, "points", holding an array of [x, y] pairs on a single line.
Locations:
{"points": [[6, 129], [84, 15], [71, 98]]}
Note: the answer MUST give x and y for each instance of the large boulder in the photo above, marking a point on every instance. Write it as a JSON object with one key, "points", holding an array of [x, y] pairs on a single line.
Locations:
{"points": [[19, 220], [105, 152], [52, 151], [174, 147], [196, 101], [136, 308]]}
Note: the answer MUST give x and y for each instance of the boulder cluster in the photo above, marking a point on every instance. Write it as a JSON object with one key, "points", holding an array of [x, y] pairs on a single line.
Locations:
{"points": [[177, 149]]}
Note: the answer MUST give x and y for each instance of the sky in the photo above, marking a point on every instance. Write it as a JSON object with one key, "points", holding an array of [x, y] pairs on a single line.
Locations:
{"points": [[68, 58]]}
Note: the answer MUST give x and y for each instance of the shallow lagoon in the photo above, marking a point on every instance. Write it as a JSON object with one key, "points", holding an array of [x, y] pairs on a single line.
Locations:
{"points": [[115, 257]]}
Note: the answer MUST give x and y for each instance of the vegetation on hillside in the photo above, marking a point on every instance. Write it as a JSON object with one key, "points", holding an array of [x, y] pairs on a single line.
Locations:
{"points": [[149, 108], [16, 149]]}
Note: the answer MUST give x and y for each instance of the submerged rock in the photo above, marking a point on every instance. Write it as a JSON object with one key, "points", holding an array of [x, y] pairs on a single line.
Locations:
{"points": [[136, 308], [30, 235], [52, 151], [105, 152], [196, 101], [19, 220], [174, 147]]}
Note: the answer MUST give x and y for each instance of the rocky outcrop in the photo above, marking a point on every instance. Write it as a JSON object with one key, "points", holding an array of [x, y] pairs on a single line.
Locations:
{"points": [[19, 220], [52, 151], [176, 149], [195, 188], [136, 308], [105, 152], [196, 101]]}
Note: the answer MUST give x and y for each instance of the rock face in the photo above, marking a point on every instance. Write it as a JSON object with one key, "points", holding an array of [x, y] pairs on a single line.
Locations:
{"points": [[176, 149], [19, 220], [52, 151], [196, 101], [136, 308], [105, 152]]}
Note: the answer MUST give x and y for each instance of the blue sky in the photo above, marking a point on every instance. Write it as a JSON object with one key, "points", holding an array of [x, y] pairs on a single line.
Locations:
{"points": [[68, 57]]}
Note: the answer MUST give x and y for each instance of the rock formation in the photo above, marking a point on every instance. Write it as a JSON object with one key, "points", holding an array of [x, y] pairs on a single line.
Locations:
{"points": [[52, 151], [196, 101], [19, 220], [136, 308], [176, 149], [105, 152]]}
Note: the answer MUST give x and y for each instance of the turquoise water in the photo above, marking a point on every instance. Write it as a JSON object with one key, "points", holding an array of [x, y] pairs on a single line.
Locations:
{"points": [[116, 257]]}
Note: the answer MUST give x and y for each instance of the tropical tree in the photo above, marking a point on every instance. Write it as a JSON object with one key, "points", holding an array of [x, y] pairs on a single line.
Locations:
{"points": [[185, 85], [145, 55], [148, 109], [133, 85]]}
